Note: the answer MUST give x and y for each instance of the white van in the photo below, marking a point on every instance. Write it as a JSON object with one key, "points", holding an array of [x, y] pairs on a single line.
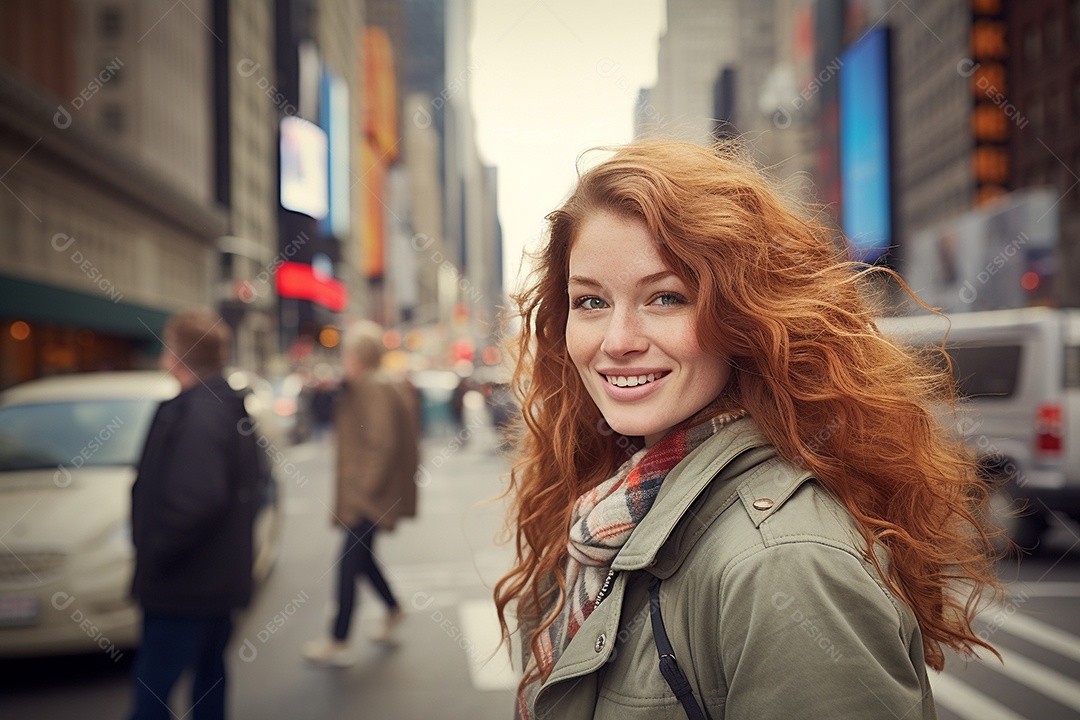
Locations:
{"points": [[1018, 372]]}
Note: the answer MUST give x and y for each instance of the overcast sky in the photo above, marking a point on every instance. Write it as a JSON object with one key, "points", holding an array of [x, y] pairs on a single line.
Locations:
{"points": [[552, 78]]}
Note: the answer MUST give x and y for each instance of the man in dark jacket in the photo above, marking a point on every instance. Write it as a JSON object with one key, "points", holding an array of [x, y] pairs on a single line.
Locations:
{"points": [[193, 506]]}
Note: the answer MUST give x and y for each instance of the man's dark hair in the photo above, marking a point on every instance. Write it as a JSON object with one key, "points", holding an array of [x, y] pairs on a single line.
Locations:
{"points": [[200, 339]]}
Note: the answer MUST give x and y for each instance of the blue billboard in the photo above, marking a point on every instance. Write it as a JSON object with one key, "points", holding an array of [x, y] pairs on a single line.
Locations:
{"points": [[865, 144]]}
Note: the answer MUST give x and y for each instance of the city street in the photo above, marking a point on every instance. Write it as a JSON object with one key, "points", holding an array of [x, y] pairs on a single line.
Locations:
{"points": [[1037, 631], [442, 565], [836, 213]]}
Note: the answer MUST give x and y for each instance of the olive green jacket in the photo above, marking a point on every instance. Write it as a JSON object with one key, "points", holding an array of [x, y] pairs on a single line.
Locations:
{"points": [[768, 601]]}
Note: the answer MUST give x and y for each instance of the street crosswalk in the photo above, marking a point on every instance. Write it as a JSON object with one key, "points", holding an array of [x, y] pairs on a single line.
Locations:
{"points": [[489, 662], [965, 702], [1037, 677]]}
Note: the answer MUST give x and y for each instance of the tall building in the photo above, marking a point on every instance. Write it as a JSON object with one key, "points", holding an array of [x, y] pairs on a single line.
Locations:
{"points": [[1040, 102], [961, 147], [319, 272], [785, 95], [701, 40], [472, 227], [107, 166], [169, 47], [934, 148], [757, 20], [739, 68], [246, 108], [424, 90]]}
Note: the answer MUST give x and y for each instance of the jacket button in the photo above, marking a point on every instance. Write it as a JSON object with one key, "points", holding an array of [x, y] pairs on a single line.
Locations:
{"points": [[763, 503], [600, 640]]}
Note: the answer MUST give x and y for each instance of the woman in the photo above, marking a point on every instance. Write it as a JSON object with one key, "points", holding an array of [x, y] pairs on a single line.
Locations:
{"points": [[711, 415]]}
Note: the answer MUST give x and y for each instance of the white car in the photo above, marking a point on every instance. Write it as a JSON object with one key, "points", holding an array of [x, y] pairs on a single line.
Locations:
{"points": [[69, 447]]}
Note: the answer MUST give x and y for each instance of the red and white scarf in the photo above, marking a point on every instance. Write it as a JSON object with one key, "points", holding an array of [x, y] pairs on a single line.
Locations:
{"points": [[603, 519]]}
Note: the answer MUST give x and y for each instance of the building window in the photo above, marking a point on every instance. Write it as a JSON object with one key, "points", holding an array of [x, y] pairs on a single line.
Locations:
{"points": [[1076, 98], [112, 117], [1035, 114], [1074, 192], [1032, 48], [1053, 37], [110, 22], [110, 71]]}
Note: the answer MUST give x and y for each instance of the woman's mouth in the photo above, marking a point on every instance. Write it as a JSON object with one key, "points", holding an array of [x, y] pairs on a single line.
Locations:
{"points": [[634, 380]]}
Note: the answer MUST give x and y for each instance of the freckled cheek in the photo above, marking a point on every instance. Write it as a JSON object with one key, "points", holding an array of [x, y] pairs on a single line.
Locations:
{"points": [[681, 341], [578, 346]]}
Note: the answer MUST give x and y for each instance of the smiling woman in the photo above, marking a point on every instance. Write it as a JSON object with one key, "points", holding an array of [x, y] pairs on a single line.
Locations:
{"points": [[630, 331], [715, 435]]}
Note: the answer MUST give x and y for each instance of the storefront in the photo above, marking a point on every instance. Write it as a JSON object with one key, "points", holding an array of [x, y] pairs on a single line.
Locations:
{"points": [[46, 330]]}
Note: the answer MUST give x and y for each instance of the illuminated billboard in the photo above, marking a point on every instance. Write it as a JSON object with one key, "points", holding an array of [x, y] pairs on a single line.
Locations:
{"points": [[380, 146], [335, 118], [304, 169], [865, 146], [306, 282]]}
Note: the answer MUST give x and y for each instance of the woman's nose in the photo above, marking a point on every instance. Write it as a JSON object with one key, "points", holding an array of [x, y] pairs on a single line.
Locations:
{"points": [[623, 334]]}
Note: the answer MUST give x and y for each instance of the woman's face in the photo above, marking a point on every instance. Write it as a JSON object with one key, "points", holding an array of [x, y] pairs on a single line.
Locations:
{"points": [[630, 331]]}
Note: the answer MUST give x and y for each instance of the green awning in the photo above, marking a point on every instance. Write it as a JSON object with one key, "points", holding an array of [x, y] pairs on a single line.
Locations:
{"points": [[35, 302]]}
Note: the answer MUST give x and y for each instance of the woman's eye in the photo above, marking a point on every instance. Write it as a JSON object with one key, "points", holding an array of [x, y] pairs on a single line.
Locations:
{"points": [[589, 302], [669, 299]]}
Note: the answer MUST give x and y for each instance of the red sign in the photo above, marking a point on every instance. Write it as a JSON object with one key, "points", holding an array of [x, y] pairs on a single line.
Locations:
{"points": [[299, 281]]}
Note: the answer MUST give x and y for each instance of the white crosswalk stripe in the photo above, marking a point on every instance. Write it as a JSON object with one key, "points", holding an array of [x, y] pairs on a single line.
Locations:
{"points": [[1043, 634], [966, 702], [964, 698], [1037, 676], [489, 664], [1045, 588]]}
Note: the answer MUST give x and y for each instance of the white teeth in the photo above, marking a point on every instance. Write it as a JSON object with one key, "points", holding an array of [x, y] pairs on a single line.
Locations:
{"points": [[630, 380]]}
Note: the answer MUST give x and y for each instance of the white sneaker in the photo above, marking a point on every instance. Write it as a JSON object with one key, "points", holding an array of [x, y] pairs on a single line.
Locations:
{"points": [[327, 651], [385, 634]]}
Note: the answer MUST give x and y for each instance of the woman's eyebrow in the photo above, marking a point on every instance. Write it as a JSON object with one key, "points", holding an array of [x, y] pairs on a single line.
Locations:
{"points": [[648, 279]]}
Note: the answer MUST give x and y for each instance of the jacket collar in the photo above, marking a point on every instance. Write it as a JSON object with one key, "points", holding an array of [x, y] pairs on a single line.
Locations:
{"points": [[735, 463]]}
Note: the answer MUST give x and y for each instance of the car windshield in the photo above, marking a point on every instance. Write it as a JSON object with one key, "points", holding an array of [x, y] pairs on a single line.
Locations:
{"points": [[77, 434]]}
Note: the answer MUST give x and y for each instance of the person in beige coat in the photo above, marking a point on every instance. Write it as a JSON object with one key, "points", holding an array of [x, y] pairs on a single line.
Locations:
{"points": [[377, 435]]}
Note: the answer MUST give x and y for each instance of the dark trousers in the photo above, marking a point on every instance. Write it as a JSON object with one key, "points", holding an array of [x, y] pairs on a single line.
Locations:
{"points": [[357, 558], [172, 644]]}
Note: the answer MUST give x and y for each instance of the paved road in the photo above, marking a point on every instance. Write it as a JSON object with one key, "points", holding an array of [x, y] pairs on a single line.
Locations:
{"points": [[1036, 628], [442, 566]]}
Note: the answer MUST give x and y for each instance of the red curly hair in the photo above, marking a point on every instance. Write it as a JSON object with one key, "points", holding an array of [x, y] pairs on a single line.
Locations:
{"points": [[773, 292]]}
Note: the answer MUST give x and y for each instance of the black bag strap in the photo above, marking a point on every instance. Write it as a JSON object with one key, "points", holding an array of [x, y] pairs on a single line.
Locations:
{"points": [[669, 668]]}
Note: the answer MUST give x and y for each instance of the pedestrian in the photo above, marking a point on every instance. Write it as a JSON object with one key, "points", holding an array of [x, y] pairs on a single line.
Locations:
{"points": [[323, 398], [376, 427], [725, 463], [457, 405], [193, 508]]}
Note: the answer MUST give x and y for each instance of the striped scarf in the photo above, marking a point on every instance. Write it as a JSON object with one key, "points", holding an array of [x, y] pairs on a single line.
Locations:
{"points": [[602, 521]]}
